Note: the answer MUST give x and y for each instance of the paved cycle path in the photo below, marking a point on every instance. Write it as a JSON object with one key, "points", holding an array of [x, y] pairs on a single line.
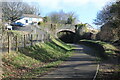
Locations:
{"points": [[80, 65]]}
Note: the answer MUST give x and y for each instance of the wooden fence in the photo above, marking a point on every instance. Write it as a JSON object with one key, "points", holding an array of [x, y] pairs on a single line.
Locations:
{"points": [[13, 42]]}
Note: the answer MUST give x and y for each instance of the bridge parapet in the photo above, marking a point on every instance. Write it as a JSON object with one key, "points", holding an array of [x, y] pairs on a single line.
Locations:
{"points": [[66, 27], [55, 28]]}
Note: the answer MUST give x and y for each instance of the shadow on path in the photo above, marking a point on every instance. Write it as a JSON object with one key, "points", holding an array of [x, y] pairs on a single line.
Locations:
{"points": [[80, 65]]}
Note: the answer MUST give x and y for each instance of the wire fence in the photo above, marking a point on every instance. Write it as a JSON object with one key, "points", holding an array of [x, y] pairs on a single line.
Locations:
{"points": [[13, 42]]}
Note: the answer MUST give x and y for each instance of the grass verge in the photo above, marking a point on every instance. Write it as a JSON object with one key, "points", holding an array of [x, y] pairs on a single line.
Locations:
{"points": [[108, 49], [32, 62], [109, 68]]}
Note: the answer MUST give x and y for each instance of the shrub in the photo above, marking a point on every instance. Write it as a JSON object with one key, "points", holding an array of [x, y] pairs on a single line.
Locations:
{"points": [[40, 23]]}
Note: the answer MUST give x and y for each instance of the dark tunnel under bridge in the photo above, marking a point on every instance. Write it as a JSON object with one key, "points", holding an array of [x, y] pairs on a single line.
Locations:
{"points": [[66, 36]]}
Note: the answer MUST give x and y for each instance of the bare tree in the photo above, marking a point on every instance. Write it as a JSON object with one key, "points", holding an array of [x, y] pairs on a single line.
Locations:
{"points": [[55, 17], [63, 18], [109, 13], [14, 10], [109, 18], [30, 9], [103, 16], [72, 18]]}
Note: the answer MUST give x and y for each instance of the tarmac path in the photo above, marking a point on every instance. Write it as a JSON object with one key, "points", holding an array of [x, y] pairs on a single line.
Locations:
{"points": [[81, 65]]}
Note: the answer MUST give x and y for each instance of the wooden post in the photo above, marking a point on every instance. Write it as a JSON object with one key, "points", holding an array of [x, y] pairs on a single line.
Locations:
{"points": [[16, 43], [28, 36], [37, 37], [42, 38], [21, 38], [9, 46], [31, 39], [54, 29], [51, 27], [48, 37], [8, 42], [24, 41]]}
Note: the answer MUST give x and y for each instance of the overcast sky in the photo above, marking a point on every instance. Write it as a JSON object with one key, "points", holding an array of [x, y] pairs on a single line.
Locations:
{"points": [[86, 10]]}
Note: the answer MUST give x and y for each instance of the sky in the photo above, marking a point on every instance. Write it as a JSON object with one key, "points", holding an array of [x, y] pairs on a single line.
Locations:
{"points": [[86, 10]]}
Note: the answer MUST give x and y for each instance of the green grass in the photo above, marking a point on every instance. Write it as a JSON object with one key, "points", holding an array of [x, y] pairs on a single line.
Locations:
{"points": [[104, 44], [109, 48], [111, 59], [35, 60], [62, 44], [18, 60], [45, 52]]}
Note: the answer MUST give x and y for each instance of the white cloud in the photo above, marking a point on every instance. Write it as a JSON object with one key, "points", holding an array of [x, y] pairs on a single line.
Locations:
{"points": [[66, 3], [75, 2], [70, 2], [97, 3], [51, 4], [57, 4]]}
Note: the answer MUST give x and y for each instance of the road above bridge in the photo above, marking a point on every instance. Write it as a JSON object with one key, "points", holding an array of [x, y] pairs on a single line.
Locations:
{"points": [[80, 65]]}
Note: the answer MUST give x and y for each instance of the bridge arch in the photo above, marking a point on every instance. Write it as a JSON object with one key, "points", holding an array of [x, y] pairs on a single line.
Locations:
{"points": [[72, 30], [66, 36]]}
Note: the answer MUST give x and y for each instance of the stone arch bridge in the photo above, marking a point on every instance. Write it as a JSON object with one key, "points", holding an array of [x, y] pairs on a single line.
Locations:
{"points": [[66, 33], [65, 28]]}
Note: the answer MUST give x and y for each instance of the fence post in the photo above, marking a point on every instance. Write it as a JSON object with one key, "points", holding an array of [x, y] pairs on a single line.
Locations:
{"points": [[48, 37], [28, 38], [16, 43], [21, 39], [9, 46], [42, 38], [37, 37], [24, 41], [31, 39], [51, 27]]}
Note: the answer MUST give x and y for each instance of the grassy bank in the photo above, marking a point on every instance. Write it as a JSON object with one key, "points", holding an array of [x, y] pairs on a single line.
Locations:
{"points": [[103, 48], [32, 62], [109, 68]]}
